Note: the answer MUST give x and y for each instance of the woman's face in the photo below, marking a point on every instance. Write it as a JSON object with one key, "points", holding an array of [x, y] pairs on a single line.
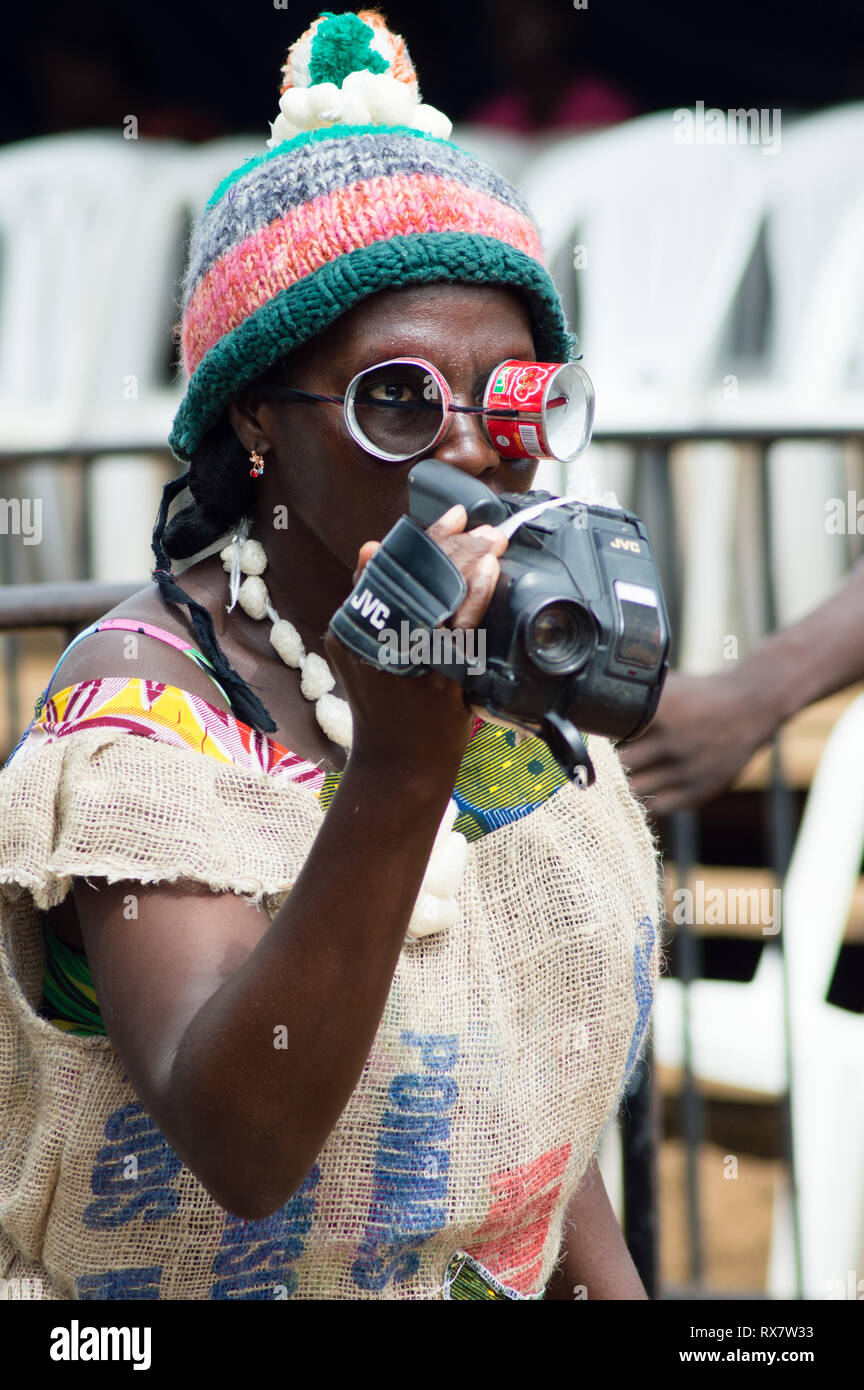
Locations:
{"points": [[330, 486]]}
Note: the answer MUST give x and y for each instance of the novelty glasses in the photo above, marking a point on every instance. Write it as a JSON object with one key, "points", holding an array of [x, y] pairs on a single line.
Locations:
{"points": [[402, 408]]}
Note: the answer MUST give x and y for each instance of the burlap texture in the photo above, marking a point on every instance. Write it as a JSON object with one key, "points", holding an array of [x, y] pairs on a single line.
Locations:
{"points": [[500, 1057]]}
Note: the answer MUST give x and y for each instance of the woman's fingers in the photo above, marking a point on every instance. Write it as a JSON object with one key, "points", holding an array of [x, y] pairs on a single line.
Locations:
{"points": [[364, 555], [481, 577], [473, 552], [449, 524]]}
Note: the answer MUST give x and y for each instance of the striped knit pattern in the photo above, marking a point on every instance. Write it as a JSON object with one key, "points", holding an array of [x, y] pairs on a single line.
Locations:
{"points": [[253, 197], [298, 235], [305, 238]]}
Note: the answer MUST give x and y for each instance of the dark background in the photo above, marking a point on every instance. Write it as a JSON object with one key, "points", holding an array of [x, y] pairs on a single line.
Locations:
{"points": [[203, 68]]}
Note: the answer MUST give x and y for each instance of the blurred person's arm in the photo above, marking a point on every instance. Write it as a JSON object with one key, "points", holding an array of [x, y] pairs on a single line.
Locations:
{"points": [[707, 727]]}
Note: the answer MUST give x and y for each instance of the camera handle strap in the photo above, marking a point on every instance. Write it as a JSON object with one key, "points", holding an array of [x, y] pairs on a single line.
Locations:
{"points": [[512, 524], [408, 588], [568, 748]]}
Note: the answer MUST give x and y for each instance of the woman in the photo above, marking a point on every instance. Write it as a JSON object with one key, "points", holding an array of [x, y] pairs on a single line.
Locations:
{"points": [[293, 1098]]}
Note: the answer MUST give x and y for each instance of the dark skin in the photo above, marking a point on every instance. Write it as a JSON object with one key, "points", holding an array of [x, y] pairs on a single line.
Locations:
{"points": [[707, 727], [192, 989]]}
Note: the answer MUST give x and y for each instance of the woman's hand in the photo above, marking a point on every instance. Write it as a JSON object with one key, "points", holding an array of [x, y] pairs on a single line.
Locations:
{"points": [[422, 718]]}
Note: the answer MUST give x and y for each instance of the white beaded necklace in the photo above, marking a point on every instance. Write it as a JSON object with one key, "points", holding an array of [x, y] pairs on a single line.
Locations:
{"points": [[316, 681], [436, 906]]}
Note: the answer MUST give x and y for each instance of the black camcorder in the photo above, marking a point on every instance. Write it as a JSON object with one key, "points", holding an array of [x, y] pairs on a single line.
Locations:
{"points": [[576, 632]]}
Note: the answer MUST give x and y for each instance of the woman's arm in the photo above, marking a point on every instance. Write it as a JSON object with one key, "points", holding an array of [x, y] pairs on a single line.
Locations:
{"points": [[596, 1263], [245, 1039], [707, 727]]}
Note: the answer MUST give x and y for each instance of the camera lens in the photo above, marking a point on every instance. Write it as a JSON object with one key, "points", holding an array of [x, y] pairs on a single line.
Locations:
{"points": [[559, 636]]}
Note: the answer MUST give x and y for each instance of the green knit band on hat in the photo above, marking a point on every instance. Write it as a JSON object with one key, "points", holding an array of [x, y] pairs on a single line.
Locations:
{"points": [[303, 310]]}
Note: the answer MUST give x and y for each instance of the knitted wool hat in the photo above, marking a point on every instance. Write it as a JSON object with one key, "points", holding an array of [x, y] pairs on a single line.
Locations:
{"points": [[359, 191]]}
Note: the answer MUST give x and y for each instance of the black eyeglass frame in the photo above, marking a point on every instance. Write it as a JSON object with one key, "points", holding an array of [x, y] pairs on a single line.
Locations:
{"points": [[445, 406]]}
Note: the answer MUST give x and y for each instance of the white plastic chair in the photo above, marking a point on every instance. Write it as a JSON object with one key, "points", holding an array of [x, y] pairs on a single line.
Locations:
{"points": [[666, 230], [65, 214], [815, 252], [652, 238], [505, 151], [65, 219], [738, 1029], [180, 179], [93, 229], [821, 376]]}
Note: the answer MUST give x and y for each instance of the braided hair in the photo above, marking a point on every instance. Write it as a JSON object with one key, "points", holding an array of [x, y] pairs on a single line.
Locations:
{"points": [[218, 479]]}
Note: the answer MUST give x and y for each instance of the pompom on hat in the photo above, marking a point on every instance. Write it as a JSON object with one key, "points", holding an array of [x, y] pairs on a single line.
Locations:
{"points": [[359, 190], [340, 73]]}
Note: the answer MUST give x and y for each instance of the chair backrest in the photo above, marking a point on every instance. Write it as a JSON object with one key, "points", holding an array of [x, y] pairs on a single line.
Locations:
{"points": [[649, 239], [66, 219], [146, 302], [93, 231], [817, 178], [829, 360], [826, 864]]}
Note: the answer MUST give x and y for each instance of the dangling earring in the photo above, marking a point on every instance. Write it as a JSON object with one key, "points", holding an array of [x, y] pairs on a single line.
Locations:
{"points": [[258, 464]]}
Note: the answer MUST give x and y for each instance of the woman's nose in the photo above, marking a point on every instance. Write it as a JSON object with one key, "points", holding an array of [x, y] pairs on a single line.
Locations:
{"points": [[466, 445]]}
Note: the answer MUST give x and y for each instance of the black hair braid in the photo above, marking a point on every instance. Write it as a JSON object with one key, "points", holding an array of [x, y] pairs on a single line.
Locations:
{"points": [[221, 493], [219, 481]]}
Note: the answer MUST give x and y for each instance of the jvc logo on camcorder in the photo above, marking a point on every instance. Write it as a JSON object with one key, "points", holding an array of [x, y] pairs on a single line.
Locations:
{"points": [[370, 607], [621, 543]]}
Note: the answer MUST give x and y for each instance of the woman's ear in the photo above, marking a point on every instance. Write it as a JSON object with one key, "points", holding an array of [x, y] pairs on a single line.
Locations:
{"points": [[243, 414]]}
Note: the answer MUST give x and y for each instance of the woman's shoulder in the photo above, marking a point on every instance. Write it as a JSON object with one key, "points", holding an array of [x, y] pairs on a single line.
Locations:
{"points": [[129, 653], [136, 681]]}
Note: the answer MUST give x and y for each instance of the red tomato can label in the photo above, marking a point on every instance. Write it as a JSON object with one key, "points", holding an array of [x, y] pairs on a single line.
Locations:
{"points": [[519, 386], [547, 410]]}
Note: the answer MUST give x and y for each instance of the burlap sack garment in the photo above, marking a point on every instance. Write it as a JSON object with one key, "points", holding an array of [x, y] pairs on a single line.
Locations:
{"points": [[500, 1057]]}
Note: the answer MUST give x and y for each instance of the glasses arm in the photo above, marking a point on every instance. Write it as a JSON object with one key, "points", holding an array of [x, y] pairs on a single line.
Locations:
{"points": [[292, 393]]}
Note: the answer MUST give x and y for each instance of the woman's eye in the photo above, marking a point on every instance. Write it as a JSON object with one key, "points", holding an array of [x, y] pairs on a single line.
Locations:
{"points": [[391, 391]]}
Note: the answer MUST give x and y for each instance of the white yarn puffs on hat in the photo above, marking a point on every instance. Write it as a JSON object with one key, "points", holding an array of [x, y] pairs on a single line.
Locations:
{"points": [[350, 69]]}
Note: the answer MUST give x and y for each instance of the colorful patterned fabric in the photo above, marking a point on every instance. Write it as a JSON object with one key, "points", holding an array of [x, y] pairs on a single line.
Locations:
{"points": [[154, 709], [134, 625], [68, 995], [466, 1278], [302, 232], [500, 779]]}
